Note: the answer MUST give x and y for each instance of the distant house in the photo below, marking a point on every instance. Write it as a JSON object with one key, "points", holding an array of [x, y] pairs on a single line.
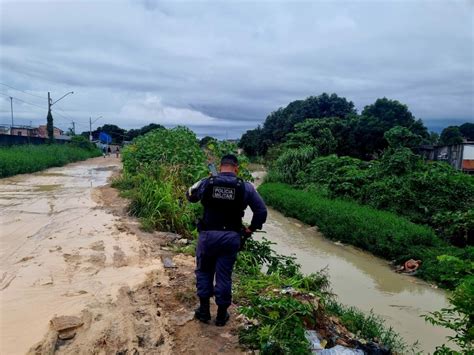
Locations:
{"points": [[25, 131], [5, 129], [43, 132], [459, 156]]}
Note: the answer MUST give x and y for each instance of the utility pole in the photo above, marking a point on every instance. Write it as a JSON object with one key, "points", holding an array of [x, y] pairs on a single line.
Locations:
{"points": [[73, 128], [49, 120], [11, 106], [50, 126], [90, 126]]}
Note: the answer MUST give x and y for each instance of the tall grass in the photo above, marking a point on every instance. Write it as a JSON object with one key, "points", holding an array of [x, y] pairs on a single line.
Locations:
{"points": [[380, 232], [30, 158]]}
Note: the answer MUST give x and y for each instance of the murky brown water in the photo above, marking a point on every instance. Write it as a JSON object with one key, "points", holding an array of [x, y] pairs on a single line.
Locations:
{"points": [[359, 279], [59, 250]]}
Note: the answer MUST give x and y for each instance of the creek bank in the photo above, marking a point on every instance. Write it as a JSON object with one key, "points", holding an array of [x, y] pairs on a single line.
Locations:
{"points": [[362, 280]]}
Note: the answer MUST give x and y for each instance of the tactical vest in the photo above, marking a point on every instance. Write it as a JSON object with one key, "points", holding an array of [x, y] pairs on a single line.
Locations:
{"points": [[223, 201]]}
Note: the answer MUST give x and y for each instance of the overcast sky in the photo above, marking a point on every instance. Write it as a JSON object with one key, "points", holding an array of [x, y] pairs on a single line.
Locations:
{"points": [[221, 67]]}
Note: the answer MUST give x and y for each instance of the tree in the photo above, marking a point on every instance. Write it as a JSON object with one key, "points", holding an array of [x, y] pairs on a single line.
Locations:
{"points": [[114, 131], [402, 137], [315, 133], [282, 121], [206, 140], [133, 133], [251, 142], [467, 130], [378, 118], [434, 138], [451, 135]]}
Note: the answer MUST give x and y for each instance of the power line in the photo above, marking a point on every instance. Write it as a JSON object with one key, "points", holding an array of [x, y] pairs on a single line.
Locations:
{"points": [[11, 87], [26, 102]]}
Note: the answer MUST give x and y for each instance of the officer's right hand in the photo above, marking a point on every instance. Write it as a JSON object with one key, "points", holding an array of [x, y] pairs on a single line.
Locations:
{"points": [[247, 232]]}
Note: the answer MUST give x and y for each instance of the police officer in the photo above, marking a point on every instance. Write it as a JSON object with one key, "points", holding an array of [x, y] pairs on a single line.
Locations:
{"points": [[225, 198]]}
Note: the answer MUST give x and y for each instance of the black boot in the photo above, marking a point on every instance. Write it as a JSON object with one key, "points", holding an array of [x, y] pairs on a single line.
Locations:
{"points": [[203, 312], [222, 316]]}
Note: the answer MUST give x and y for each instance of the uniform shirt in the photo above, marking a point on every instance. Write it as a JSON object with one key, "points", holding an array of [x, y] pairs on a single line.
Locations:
{"points": [[251, 199]]}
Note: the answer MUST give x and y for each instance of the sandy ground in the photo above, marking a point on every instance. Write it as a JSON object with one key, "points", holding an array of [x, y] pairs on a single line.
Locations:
{"points": [[68, 248]]}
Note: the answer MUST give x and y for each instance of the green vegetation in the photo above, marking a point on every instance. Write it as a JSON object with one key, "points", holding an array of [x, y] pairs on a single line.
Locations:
{"points": [[30, 158], [359, 179], [382, 233], [332, 123], [400, 181], [158, 167], [459, 317], [282, 303], [393, 237]]}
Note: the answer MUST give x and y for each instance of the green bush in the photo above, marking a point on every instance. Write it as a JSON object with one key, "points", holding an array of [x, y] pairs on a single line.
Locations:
{"points": [[399, 182], [382, 233], [290, 165], [158, 168], [30, 158], [459, 318]]}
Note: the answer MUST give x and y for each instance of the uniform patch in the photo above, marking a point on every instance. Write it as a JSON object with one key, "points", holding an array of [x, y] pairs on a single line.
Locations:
{"points": [[223, 193]]}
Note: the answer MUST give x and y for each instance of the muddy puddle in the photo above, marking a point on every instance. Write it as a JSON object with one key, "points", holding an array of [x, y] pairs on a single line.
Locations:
{"points": [[60, 250], [359, 279]]}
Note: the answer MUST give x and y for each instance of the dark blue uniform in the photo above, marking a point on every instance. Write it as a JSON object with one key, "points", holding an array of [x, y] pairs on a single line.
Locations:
{"points": [[218, 245]]}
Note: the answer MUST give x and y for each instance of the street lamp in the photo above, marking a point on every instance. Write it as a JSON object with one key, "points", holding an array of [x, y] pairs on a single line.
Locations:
{"points": [[62, 97], [49, 124], [90, 126]]}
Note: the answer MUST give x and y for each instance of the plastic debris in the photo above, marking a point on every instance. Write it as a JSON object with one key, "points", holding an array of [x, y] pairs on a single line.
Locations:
{"points": [[168, 262], [288, 290], [339, 350], [314, 341]]}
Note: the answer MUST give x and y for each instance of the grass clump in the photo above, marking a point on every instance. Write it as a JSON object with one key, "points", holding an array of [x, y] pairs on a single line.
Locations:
{"points": [[23, 159]]}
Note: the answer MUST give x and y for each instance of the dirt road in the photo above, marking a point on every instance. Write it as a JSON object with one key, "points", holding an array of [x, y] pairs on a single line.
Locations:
{"points": [[69, 249]]}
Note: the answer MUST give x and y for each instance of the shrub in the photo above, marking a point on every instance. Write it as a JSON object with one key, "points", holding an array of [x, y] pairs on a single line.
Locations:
{"points": [[290, 166]]}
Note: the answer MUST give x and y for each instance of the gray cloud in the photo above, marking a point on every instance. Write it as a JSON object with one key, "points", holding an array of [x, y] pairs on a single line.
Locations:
{"points": [[221, 67]]}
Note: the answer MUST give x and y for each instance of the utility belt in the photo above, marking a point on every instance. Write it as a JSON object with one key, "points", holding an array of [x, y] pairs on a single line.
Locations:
{"points": [[202, 226]]}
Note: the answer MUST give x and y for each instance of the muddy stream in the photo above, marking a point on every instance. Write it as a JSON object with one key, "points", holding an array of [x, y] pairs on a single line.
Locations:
{"points": [[360, 279]]}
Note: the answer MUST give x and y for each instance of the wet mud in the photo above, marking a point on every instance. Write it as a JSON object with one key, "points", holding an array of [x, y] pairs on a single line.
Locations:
{"points": [[69, 249]]}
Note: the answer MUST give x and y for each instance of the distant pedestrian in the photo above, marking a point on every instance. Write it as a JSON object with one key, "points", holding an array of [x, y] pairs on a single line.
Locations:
{"points": [[117, 152], [104, 151], [109, 150]]}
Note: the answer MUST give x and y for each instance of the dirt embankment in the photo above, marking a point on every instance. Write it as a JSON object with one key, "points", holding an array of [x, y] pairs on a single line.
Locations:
{"points": [[71, 250]]}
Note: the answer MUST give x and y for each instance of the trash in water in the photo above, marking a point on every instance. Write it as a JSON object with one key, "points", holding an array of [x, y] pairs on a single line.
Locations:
{"points": [[339, 350]]}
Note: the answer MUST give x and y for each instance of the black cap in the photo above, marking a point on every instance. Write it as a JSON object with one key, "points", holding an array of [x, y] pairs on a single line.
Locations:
{"points": [[229, 159]]}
